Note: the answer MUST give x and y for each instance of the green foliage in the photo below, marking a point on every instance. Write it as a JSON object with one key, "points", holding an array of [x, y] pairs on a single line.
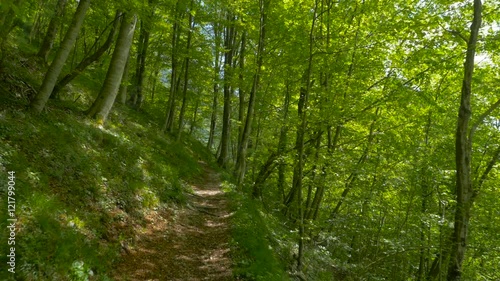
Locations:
{"points": [[78, 182], [384, 86], [254, 242]]}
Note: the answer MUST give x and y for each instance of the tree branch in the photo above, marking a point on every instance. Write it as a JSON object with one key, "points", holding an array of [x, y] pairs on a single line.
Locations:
{"points": [[484, 176], [482, 117]]}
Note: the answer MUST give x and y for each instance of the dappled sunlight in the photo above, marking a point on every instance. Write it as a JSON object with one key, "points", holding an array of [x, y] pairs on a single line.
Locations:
{"points": [[184, 243], [208, 192]]}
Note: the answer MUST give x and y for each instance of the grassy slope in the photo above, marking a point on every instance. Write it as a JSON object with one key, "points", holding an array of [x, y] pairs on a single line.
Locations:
{"points": [[80, 187]]}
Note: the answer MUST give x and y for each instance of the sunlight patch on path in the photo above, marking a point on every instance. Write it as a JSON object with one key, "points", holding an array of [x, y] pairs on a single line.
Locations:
{"points": [[191, 243]]}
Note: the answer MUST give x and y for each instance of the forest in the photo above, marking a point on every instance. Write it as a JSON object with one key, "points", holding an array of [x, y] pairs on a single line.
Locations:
{"points": [[250, 140]]}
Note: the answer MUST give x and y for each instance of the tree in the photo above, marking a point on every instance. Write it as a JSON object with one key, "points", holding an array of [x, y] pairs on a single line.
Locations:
{"points": [[50, 79], [229, 37], [466, 192], [87, 61], [174, 72], [52, 29], [247, 128], [191, 25], [213, 118], [137, 98], [107, 95]]}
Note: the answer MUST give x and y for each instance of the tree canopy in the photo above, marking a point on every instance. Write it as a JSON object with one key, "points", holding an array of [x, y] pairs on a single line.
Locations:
{"points": [[366, 131]]}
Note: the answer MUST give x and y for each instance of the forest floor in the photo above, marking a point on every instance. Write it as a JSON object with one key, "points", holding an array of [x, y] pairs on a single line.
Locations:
{"points": [[189, 244]]}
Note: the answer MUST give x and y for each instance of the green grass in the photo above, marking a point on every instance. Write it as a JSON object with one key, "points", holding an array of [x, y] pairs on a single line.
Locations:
{"points": [[79, 185]]}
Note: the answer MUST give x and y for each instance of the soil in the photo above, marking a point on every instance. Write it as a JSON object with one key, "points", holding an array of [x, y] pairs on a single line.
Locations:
{"points": [[188, 244]]}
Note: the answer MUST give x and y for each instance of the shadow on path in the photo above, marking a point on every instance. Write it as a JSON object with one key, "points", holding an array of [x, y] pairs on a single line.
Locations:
{"points": [[187, 244]]}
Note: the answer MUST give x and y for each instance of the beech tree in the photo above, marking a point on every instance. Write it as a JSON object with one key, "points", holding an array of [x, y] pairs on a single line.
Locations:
{"points": [[337, 118], [106, 98], [57, 64], [90, 59]]}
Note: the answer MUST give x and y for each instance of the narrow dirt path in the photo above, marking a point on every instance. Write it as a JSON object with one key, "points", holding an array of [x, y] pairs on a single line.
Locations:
{"points": [[187, 244]]}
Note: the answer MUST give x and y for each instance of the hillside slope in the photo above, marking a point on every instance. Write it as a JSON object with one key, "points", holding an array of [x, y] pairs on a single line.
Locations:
{"points": [[82, 189]]}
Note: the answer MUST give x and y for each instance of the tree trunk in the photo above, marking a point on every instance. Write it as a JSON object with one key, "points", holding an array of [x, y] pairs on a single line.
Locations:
{"points": [[264, 172], [303, 108], [122, 91], [425, 187], [90, 59], [463, 154], [213, 118], [228, 64], [186, 74], [309, 198], [195, 116], [349, 183], [282, 143], [241, 92], [104, 101], [169, 121], [57, 64], [51, 34], [137, 97], [247, 129]]}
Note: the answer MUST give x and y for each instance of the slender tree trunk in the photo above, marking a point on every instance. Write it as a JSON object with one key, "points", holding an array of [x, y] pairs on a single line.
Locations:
{"points": [[90, 59], [264, 172], [137, 97], [241, 91], [213, 118], [186, 74], [309, 198], [247, 129], [228, 64], [463, 154], [354, 175], [104, 101], [195, 116], [282, 143], [51, 34], [168, 125], [304, 100], [153, 88], [57, 64]]}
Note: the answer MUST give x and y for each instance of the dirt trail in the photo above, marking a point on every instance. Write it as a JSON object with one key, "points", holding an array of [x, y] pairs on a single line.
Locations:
{"points": [[187, 244]]}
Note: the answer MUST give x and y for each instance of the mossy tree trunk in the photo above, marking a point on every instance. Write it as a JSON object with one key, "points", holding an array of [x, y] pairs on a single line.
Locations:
{"points": [[463, 155]]}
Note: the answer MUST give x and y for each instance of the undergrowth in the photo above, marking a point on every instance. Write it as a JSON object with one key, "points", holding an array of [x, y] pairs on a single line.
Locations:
{"points": [[255, 244], [81, 187]]}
